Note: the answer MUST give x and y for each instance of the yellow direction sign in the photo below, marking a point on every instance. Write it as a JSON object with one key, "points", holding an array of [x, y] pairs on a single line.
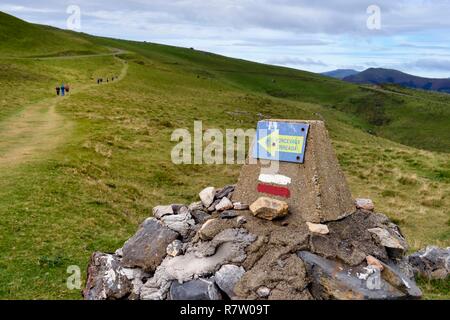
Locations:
{"points": [[281, 141], [276, 142]]}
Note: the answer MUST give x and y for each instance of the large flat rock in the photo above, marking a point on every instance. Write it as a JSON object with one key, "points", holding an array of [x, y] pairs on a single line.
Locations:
{"points": [[147, 248]]}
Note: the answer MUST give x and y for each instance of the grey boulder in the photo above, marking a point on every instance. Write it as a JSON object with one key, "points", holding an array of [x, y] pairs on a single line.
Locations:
{"points": [[147, 248], [431, 263], [199, 289], [227, 277]]}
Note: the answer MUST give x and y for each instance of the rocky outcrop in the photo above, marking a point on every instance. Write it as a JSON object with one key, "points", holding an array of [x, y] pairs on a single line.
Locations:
{"points": [[331, 279], [189, 254], [431, 262]]}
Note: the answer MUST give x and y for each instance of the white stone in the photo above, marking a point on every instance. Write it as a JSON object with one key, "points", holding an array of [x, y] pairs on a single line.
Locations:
{"points": [[224, 204], [263, 292], [161, 211], [207, 196], [318, 228], [240, 206]]}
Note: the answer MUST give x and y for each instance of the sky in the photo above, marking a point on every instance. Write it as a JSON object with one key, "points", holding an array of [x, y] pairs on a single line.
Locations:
{"points": [[411, 36]]}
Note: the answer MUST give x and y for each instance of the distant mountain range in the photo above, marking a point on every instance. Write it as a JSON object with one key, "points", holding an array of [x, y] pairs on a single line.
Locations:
{"points": [[340, 73], [379, 76]]}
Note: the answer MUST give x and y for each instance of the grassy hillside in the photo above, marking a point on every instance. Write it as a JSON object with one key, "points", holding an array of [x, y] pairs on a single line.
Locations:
{"points": [[84, 171], [19, 39]]}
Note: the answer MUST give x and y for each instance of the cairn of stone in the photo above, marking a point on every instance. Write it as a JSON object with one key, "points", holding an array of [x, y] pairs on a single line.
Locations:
{"points": [[235, 243]]}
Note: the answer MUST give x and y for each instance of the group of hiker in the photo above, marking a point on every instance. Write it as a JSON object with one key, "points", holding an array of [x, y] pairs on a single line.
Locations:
{"points": [[100, 80], [62, 90]]}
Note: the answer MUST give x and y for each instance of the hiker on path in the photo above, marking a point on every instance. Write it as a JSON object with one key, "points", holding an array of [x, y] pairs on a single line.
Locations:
{"points": [[62, 89], [57, 91], [66, 87]]}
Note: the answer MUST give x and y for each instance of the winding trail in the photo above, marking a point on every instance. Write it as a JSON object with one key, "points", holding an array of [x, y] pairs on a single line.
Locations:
{"points": [[39, 128]]}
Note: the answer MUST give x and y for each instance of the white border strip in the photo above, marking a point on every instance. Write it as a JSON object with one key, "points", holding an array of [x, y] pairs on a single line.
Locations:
{"points": [[275, 179]]}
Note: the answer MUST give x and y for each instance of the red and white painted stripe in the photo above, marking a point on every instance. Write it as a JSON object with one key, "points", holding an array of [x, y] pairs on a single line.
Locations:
{"points": [[274, 184]]}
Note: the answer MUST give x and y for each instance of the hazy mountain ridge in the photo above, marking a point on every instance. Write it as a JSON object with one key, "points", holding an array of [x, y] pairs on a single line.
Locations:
{"points": [[340, 73], [389, 76]]}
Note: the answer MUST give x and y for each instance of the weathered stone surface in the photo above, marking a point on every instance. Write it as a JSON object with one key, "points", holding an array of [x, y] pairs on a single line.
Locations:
{"points": [[196, 206], [350, 241], [161, 211], [181, 222], [278, 269], [241, 220], [227, 191], [240, 206], [147, 248], [207, 196], [319, 191], [224, 204], [206, 258], [175, 248], [155, 289], [212, 227], [334, 280], [374, 262], [227, 277], [200, 216], [229, 214], [364, 204], [106, 278], [269, 209], [318, 228], [431, 262], [207, 230], [200, 289], [396, 278], [386, 239], [212, 207], [137, 278], [178, 207]]}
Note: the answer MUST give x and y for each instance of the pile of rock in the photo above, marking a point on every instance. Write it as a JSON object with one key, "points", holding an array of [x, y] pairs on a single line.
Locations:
{"points": [[431, 262], [220, 249]]}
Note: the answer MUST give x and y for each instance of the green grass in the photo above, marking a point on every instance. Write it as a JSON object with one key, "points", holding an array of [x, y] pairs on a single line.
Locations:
{"points": [[91, 192]]}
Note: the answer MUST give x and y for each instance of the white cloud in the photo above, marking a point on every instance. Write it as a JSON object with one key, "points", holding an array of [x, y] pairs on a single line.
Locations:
{"points": [[318, 34]]}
